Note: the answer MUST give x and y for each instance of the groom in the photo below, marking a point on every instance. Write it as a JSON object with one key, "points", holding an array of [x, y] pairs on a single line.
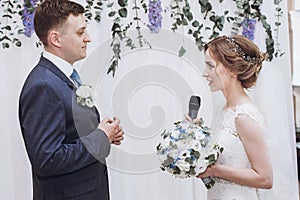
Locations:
{"points": [[66, 142]]}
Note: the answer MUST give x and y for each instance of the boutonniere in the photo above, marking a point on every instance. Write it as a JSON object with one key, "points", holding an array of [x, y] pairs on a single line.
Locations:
{"points": [[85, 96]]}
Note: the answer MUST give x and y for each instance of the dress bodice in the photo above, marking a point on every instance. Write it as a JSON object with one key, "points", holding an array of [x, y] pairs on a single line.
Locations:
{"points": [[234, 154]]}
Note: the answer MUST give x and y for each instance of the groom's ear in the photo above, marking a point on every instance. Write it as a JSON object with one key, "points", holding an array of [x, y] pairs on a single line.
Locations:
{"points": [[54, 39]]}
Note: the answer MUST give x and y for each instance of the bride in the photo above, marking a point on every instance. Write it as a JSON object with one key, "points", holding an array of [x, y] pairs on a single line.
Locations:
{"points": [[257, 161], [232, 65]]}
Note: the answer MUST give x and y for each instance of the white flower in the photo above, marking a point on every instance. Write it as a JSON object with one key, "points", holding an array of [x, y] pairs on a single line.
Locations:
{"points": [[89, 102], [196, 145], [200, 135], [183, 166], [84, 91], [201, 166], [85, 96]]}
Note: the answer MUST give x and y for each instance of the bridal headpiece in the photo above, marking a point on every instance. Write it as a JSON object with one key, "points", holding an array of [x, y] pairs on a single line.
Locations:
{"points": [[238, 49]]}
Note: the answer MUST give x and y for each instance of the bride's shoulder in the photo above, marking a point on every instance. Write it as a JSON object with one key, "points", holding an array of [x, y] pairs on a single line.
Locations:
{"points": [[249, 109]]}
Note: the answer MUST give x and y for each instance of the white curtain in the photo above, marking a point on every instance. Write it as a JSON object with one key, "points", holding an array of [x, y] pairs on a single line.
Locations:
{"points": [[295, 20], [149, 92]]}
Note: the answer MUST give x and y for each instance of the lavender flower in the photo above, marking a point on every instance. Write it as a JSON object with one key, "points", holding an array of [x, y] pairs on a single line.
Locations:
{"points": [[249, 28], [27, 17], [154, 15]]}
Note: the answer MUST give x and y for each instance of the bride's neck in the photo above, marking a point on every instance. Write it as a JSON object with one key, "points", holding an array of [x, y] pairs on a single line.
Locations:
{"points": [[235, 95]]}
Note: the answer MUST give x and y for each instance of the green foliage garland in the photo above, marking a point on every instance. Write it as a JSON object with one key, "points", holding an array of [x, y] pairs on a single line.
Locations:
{"points": [[180, 12]]}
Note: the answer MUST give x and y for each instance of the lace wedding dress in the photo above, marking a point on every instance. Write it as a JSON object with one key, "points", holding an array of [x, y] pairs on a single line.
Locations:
{"points": [[234, 155]]}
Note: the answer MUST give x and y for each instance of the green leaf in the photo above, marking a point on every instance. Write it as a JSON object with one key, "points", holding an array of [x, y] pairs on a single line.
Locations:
{"points": [[182, 51], [189, 16], [7, 16], [5, 45], [111, 13], [276, 2], [123, 12], [7, 27], [185, 22], [110, 5], [211, 159], [99, 3], [5, 38], [195, 23], [122, 3], [277, 23], [18, 44]]}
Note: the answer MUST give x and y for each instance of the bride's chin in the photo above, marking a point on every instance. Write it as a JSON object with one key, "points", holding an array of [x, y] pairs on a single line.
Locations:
{"points": [[213, 89]]}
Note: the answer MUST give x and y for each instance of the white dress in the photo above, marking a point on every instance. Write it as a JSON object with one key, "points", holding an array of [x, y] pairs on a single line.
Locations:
{"points": [[234, 155]]}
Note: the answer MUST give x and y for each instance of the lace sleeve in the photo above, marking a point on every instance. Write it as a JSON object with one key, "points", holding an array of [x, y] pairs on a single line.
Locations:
{"points": [[251, 111]]}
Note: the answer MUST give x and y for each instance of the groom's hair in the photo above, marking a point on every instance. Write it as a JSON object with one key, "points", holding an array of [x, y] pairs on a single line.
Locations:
{"points": [[53, 14]]}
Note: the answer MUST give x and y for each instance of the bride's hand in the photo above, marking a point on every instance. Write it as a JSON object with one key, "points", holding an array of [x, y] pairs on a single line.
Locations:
{"points": [[207, 173], [189, 119]]}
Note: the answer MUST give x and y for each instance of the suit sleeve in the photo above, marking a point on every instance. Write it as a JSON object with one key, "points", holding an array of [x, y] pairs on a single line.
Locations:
{"points": [[42, 118]]}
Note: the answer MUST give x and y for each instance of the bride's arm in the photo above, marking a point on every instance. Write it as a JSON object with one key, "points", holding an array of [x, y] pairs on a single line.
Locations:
{"points": [[260, 174]]}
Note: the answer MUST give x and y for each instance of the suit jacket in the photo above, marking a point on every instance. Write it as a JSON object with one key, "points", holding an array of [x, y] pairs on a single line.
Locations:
{"points": [[66, 150]]}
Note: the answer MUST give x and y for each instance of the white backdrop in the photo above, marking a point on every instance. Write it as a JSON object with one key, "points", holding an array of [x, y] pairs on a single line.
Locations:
{"points": [[151, 89]]}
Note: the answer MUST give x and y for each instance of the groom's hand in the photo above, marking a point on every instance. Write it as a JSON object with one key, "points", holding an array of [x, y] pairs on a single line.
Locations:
{"points": [[110, 127], [119, 136]]}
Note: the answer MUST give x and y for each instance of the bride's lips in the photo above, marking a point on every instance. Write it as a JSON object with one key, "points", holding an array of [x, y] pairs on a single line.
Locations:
{"points": [[209, 82]]}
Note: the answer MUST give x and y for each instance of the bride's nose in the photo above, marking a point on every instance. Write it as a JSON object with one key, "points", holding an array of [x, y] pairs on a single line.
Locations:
{"points": [[205, 72]]}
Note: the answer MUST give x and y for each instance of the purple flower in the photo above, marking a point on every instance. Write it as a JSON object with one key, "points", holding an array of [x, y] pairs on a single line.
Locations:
{"points": [[154, 15], [249, 28], [27, 17]]}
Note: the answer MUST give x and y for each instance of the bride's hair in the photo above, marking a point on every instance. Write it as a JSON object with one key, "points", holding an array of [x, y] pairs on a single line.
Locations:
{"points": [[238, 54]]}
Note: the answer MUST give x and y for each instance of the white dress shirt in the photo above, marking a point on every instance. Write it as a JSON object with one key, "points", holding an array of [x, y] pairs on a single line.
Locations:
{"points": [[63, 65]]}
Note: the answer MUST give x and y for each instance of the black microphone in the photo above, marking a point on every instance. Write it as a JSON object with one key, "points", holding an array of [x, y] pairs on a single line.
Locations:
{"points": [[194, 106]]}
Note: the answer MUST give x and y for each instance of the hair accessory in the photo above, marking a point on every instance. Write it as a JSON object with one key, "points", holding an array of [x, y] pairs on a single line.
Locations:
{"points": [[238, 49]]}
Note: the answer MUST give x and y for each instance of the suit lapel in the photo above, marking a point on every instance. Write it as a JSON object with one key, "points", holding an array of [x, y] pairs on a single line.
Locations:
{"points": [[44, 62]]}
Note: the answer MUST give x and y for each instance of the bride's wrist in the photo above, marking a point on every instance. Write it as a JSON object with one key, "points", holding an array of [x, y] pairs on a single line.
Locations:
{"points": [[214, 169]]}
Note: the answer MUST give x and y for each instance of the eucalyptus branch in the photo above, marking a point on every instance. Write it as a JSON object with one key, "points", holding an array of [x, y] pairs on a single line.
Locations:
{"points": [[277, 25], [93, 10], [176, 15], [7, 32], [194, 25], [261, 17], [137, 19], [218, 21], [114, 61], [118, 33], [179, 20], [240, 14], [206, 7]]}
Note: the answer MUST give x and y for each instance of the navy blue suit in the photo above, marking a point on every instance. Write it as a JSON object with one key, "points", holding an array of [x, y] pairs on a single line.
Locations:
{"points": [[61, 138]]}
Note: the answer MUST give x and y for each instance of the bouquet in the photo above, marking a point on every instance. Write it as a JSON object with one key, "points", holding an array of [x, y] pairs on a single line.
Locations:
{"points": [[187, 150]]}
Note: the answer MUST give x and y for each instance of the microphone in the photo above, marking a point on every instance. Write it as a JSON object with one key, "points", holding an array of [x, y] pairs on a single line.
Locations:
{"points": [[194, 106]]}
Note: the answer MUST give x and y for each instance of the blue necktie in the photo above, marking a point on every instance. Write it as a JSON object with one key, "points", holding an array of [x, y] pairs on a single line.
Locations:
{"points": [[75, 77]]}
